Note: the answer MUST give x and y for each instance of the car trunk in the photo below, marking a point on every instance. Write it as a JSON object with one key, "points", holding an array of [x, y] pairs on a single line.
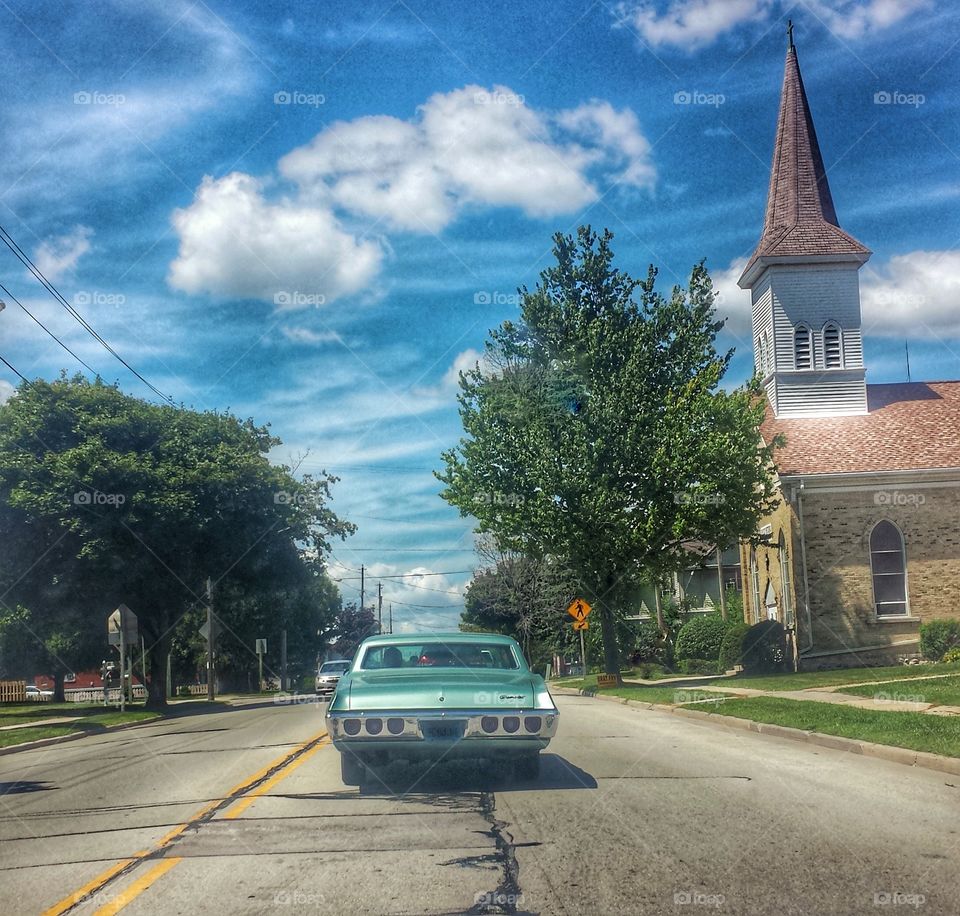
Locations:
{"points": [[438, 689]]}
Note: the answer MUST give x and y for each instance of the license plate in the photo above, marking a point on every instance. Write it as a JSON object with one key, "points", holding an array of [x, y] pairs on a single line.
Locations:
{"points": [[444, 730]]}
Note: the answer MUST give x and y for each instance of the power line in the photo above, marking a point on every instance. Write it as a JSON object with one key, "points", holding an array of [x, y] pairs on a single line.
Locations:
{"points": [[21, 256], [46, 329], [456, 572], [14, 371]]}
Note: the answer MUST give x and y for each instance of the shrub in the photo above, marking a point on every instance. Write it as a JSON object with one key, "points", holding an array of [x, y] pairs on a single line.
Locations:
{"points": [[649, 645], [698, 666], [183, 691], [731, 648], [701, 638], [765, 648], [952, 656], [937, 637]]}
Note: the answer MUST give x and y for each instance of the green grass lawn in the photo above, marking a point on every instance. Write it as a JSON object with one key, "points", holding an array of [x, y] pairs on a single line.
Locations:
{"points": [[668, 696], [840, 676], [945, 691], [88, 722], [914, 730], [32, 712]]}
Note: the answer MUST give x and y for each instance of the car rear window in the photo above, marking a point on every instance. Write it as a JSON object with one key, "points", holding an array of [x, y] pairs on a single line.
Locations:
{"points": [[334, 667], [439, 655]]}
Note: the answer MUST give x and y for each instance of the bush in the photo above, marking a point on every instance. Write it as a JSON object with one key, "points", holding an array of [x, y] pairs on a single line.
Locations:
{"points": [[731, 648], [649, 646], [765, 648], [952, 656], [183, 691], [937, 637], [700, 638], [698, 666]]}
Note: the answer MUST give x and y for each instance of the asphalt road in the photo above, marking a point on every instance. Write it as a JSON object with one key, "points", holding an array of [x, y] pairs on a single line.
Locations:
{"points": [[636, 811]]}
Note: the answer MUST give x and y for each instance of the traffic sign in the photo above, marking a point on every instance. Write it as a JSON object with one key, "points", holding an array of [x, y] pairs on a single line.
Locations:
{"points": [[216, 627], [261, 647], [579, 609], [581, 624], [125, 621]]}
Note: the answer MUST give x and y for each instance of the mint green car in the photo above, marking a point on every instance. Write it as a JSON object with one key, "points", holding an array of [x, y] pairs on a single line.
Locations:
{"points": [[431, 697]]}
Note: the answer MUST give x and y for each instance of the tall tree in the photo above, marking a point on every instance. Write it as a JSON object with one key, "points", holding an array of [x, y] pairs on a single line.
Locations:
{"points": [[599, 435], [142, 504]]}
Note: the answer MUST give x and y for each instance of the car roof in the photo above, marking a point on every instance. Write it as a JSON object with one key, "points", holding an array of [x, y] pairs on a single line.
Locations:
{"points": [[394, 639]]}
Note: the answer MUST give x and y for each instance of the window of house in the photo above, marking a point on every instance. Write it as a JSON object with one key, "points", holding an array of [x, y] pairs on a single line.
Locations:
{"points": [[768, 353], [832, 346], [802, 347], [755, 585], [888, 563], [785, 581]]}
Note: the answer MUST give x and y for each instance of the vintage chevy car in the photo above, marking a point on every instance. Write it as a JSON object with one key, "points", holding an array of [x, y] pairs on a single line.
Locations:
{"points": [[437, 696]]}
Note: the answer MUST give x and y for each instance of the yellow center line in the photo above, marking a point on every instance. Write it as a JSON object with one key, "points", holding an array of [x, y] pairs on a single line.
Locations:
{"points": [[239, 790], [137, 888]]}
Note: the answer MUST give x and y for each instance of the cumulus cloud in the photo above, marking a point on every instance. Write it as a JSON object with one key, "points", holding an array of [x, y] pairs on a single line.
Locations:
{"points": [[914, 295], [464, 362], [313, 338], [234, 242], [694, 24], [731, 302], [6, 391], [469, 146], [57, 256]]}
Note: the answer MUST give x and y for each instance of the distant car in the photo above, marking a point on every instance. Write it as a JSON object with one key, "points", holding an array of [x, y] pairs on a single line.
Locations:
{"points": [[437, 696], [35, 693], [329, 675]]}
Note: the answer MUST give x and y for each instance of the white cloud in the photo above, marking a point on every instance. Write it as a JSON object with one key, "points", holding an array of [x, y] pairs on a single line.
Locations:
{"points": [[469, 146], [915, 295], [464, 362], [233, 242], [690, 24], [733, 303], [694, 24], [306, 336], [57, 256], [6, 391]]}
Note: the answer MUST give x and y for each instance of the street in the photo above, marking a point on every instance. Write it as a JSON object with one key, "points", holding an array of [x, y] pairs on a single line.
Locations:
{"points": [[636, 811]]}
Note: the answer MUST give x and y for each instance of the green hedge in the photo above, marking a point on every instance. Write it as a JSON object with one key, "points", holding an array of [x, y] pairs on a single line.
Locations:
{"points": [[731, 649], [700, 638], [937, 637], [765, 648], [698, 666]]}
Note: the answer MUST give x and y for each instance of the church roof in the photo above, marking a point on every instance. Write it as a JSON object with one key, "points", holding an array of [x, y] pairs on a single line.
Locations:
{"points": [[800, 220], [910, 426]]}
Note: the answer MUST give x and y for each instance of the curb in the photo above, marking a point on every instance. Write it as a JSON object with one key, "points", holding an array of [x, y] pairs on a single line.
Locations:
{"points": [[63, 739], [891, 753]]}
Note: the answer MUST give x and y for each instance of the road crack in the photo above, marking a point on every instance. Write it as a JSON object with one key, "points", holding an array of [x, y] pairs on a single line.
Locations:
{"points": [[507, 895]]}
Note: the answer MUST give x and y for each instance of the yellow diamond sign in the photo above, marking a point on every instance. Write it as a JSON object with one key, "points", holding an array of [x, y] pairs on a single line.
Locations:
{"points": [[579, 609]]}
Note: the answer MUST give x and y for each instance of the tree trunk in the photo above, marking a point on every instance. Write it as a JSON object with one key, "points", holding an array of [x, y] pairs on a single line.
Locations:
{"points": [[608, 628], [58, 695], [661, 623], [156, 687]]}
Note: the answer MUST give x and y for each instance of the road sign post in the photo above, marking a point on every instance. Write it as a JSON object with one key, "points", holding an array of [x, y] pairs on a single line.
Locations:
{"points": [[261, 651], [122, 630], [580, 610]]}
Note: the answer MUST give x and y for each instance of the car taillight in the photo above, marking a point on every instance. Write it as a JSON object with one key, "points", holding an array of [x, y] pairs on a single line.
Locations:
{"points": [[395, 726], [374, 726], [532, 724], [511, 724], [351, 726], [489, 724]]}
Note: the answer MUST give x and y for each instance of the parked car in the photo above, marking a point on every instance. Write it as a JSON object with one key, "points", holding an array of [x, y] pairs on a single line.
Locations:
{"points": [[35, 693], [437, 696], [328, 676]]}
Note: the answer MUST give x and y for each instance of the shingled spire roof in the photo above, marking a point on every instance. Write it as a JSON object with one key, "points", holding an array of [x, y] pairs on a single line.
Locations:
{"points": [[801, 219]]}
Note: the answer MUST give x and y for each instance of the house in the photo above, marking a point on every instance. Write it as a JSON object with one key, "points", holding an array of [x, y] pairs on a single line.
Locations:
{"points": [[865, 544]]}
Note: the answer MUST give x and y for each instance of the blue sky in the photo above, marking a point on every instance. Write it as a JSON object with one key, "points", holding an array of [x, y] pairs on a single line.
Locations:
{"points": [[312, 214]]}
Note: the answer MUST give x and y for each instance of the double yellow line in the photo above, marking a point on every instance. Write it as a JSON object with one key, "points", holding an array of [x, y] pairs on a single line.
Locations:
{"points": [[238, 799]]}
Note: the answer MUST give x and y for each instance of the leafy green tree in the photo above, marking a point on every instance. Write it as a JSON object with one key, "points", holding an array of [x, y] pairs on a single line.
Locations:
{"points": [[111, 499], [351, 627], [601, 436]]}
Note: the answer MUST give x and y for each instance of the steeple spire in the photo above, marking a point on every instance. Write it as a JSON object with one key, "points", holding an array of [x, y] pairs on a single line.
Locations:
{"points": [[800, 217]]}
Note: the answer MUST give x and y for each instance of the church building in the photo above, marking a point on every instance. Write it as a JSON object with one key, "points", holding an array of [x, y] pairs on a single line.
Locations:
{"points": [[865, 544]]}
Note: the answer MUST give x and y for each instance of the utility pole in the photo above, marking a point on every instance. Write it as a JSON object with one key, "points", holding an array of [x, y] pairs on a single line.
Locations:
{"points": [[379, 607], [209, 640], [283, 659], [361, 587], [390, 619]]}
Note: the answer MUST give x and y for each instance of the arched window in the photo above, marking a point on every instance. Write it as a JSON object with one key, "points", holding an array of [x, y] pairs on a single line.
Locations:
{"points": [[832, 346], [785, 581], [802, 347], [755, 585], [888, 563]]}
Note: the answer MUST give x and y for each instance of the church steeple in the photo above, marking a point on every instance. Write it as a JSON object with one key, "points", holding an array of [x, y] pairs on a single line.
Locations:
{"points": [[800, 219], [803, 275]]}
